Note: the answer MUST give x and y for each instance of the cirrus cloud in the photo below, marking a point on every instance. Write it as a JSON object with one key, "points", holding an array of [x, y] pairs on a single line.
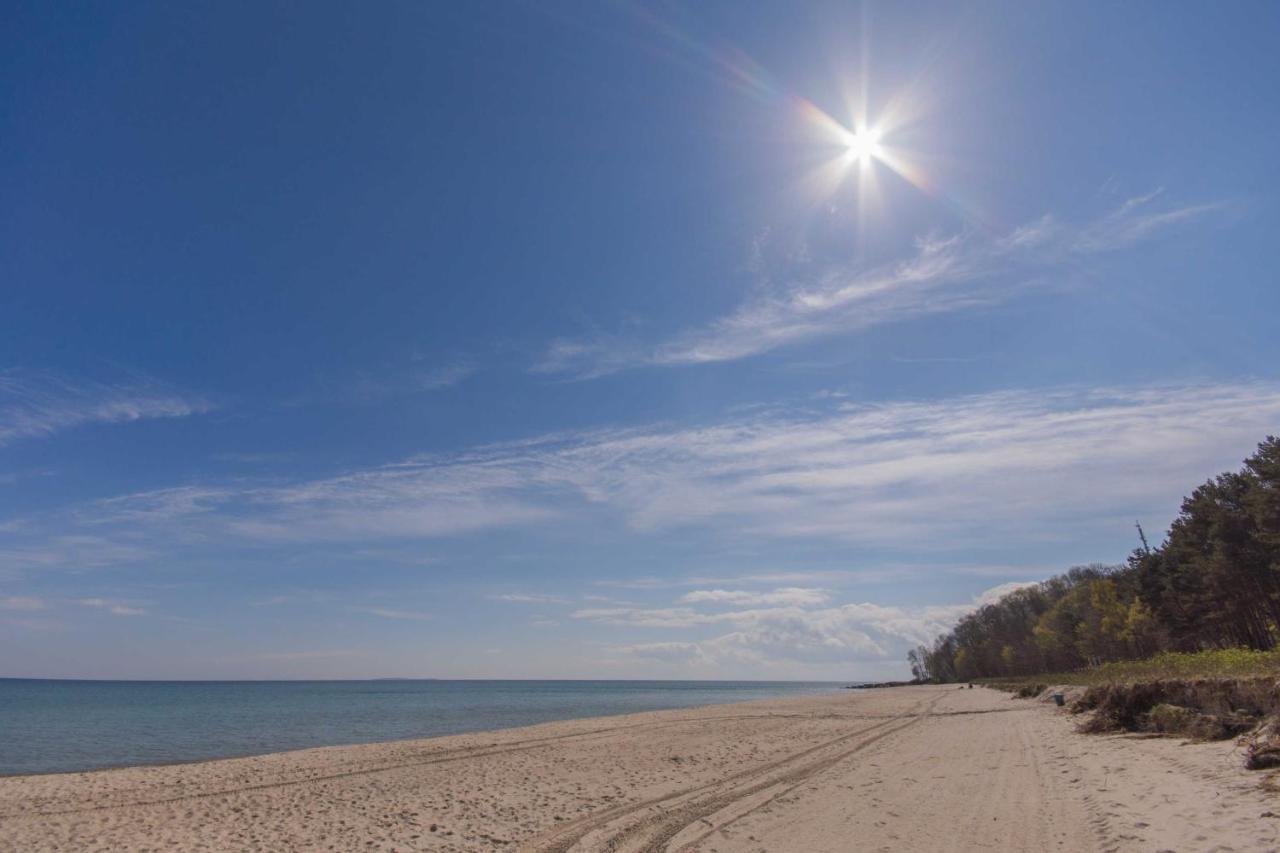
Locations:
{"points": [[1025, 466], [797, 596], [942, 275], [40, 404]]}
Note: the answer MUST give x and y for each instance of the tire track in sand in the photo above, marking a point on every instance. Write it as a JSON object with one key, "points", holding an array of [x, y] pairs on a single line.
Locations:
{"points": [[650, 825]]}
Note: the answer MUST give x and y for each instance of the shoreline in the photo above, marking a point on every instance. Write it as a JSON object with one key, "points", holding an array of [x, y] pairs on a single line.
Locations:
{"points": [[905, 768], [403, 740], [56, 727]]}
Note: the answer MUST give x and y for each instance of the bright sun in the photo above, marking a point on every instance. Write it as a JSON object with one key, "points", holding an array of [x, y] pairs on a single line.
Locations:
{"points": [[858, 149], [863, 145]]}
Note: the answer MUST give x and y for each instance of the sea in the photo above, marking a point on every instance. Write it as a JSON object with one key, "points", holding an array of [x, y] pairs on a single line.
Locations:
{"points": [[60, 726]]}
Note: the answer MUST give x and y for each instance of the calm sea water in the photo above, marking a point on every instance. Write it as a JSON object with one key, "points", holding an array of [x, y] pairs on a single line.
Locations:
{"points": [[55, 726]]}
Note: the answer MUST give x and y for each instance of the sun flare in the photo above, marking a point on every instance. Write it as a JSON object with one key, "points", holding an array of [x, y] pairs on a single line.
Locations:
{"points": [[857, 149], [863, 145]]}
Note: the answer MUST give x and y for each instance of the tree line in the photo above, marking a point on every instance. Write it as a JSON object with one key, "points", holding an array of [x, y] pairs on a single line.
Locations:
{"points": [[1213, 583]]}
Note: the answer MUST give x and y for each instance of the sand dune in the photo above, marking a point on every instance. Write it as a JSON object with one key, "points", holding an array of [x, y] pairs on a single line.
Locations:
{"points": [[924, 768]]}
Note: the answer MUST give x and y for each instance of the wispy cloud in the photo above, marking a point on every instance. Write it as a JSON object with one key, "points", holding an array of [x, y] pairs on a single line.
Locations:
{"points": [[306, 596], [877, 571], [36, 405], [445, 376], [253, 458], [942, 275], [386, 613], [943, 471], [115, 608], [22, 602], [415, 499], [393, 380], [78, 551], [1134, 221], [310, 655], [795, 596], [159, 505], [529, 598], [990, 469]]}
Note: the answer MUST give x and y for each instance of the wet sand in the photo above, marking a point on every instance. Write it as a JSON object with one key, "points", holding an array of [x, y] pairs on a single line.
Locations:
{"points": [[913, 768]]}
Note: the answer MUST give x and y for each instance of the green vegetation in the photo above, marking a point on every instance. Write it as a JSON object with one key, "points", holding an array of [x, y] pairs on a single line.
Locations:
{"points": [[1206, 603], [1213, 663]]}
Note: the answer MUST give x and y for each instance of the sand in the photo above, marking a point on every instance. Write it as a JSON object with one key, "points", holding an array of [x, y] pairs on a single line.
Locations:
{"points": [[916, 768]]}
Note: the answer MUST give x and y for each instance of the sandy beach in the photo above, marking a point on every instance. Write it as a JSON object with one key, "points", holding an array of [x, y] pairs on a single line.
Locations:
{"points": [[919, 768]]}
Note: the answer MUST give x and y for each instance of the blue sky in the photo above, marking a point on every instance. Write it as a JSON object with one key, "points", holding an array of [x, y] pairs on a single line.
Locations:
{"points": [[609, 340]]}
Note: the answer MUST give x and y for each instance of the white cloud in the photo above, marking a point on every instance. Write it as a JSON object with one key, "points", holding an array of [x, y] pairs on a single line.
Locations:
{"points": [[73, 552], [797, 596], [670, 617], [387, 613], [1134, 221], [115, 608], [875, 572], [160, 505], [529, 598], [848, 634], [942, 275], [444, 377], [417, 498], [306, 596], [287, 657], [1007, 468], [21, 602], [36, 405], [673, 652], [390, 380]]}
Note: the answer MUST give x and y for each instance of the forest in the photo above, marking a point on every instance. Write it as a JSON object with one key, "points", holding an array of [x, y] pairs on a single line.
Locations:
{"points": [[1214, 583]]}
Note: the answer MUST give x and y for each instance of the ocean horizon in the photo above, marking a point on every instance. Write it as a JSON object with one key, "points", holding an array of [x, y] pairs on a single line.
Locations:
{"points": [[76, 725]]}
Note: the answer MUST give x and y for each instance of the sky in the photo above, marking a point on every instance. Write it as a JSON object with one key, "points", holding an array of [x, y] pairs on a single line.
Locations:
{"points": [[618, 340]]}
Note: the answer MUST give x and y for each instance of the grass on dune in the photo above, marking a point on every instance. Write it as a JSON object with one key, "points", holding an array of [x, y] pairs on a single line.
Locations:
{"points": [[1215, 663]]}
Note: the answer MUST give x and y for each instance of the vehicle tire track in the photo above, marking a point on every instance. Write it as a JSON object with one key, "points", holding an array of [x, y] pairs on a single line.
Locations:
{"points": [[670, 814], [673, 841]]}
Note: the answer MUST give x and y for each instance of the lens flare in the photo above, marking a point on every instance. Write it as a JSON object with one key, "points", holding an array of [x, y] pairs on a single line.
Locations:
{"points": [[857, 145], [863, 145]]}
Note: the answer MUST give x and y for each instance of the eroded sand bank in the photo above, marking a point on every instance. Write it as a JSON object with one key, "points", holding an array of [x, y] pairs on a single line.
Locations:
{"points": [[919, 768]]}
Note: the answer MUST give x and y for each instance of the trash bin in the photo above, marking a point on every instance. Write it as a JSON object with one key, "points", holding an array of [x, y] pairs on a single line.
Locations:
{"points": [[1059, 699]]}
